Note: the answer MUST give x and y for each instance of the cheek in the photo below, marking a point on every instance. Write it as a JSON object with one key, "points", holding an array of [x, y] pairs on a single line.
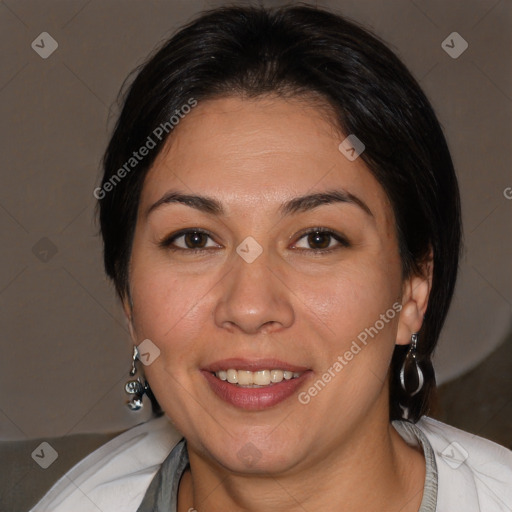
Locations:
{"points": [[351, 298], [352, 316], [169, 309]]}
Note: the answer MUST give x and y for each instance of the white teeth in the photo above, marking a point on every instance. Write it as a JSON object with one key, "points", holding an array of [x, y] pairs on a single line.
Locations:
{"points": [[232, 376], [247, 378], [276, 375], [262, 378]]}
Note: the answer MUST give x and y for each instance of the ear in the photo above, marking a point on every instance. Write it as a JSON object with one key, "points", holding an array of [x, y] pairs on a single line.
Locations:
{"points": [[128, 312], [415, 294]]}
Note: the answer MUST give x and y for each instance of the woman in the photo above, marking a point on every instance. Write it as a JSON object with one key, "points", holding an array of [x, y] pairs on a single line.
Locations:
{"points": [[281, 220]]}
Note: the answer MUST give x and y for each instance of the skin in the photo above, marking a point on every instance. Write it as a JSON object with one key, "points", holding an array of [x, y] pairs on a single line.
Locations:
{"points": [[306, 308]]}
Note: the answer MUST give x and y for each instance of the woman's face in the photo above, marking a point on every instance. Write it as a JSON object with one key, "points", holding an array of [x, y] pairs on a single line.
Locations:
{"points": [[264, 295]]}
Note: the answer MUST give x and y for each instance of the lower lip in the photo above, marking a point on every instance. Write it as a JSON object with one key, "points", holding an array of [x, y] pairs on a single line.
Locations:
{"points": [[254, 399]]}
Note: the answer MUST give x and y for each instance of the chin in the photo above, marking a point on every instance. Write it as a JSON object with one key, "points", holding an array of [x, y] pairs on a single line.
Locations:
{"points": [[255, 454]]}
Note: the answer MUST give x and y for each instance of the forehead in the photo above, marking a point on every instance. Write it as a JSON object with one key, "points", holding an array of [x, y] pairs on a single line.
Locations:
{"points": [[254, 152]]}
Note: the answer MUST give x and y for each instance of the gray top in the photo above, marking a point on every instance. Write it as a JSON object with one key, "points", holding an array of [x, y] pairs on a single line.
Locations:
{"points": [[162, 493], [414, 436]]}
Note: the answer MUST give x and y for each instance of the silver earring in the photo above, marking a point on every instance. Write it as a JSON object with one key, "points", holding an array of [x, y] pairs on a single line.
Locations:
{"points": [[412, 355], [138, 388]]}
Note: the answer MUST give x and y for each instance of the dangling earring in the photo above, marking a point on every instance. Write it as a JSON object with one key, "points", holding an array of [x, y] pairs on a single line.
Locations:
{"points": [[138, 388], [412, 355]]}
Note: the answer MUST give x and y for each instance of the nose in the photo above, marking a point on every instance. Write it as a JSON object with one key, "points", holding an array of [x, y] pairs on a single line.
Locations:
{"points": [[254, 298]]}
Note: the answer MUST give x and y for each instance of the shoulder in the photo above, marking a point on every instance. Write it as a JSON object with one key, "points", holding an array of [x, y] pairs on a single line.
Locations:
{"points": [[115, 476], [473, 473]]}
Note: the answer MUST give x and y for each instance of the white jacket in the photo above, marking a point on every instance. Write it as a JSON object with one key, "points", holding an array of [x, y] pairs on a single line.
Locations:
{"points": [[474, 474]]}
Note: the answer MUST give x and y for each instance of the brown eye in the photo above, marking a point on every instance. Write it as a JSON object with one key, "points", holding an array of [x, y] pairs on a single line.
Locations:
{"points": [[321, 240], [187, 240], [195, 239]]}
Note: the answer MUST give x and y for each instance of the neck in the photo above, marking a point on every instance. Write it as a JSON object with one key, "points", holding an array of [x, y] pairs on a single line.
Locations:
{"points": [[370, 467]]}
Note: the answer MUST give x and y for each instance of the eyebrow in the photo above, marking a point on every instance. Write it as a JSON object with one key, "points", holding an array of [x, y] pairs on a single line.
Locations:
{"points": [[296, 205]]}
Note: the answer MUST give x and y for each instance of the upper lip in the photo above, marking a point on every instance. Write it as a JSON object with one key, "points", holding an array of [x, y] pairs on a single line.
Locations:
{"points": [[253, 365]]}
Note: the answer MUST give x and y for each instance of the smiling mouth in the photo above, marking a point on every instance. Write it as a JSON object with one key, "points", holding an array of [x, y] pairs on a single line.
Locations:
{"points": [[257, 379], [252, 385]]}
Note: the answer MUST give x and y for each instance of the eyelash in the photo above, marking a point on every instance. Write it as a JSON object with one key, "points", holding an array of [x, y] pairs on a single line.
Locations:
{"points": [[167, 242]]}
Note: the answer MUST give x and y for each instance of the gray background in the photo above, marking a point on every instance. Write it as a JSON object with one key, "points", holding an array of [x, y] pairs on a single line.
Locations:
{"points": [[65, 344]]}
